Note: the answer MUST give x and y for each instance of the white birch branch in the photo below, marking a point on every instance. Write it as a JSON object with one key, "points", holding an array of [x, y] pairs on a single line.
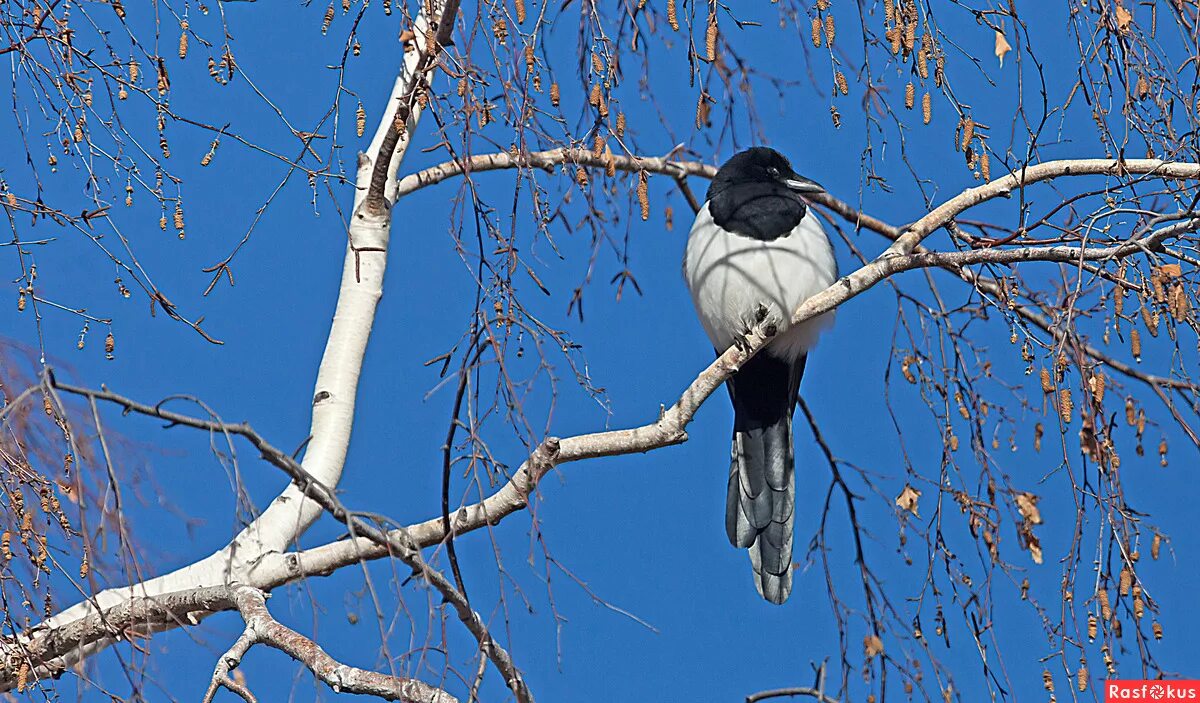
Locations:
{"points": [[262, 628]]}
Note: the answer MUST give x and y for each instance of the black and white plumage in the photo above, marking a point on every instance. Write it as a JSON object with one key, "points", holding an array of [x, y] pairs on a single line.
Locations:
{"points": [[755, 247]]}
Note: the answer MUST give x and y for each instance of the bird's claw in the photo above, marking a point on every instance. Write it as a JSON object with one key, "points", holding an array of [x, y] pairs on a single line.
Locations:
{"points": [[760, 313]]}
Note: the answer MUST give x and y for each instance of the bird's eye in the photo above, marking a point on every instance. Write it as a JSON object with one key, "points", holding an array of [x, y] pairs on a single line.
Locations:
{"points": [[773, 172]]}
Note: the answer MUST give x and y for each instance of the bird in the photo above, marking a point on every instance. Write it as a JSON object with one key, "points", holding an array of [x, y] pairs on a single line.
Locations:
{"points": [[755, 253]]}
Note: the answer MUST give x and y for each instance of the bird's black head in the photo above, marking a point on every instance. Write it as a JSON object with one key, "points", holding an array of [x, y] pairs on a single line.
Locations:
{"points": [[760, 165], [757, 194]]}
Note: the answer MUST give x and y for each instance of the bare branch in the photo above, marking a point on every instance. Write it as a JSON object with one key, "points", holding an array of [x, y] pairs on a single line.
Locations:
{"points": [[547, 160], [790, 692], [262, 628]]}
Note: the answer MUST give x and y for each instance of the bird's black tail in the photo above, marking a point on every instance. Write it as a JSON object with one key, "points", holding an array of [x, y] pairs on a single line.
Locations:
{"points": [[760, 505]]}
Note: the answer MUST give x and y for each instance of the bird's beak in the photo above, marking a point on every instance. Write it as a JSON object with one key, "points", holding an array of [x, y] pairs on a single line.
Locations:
{"points": [[800, 184]]}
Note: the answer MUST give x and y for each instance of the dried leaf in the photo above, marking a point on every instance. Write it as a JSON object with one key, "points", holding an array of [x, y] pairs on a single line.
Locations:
{"points": [[1035, 549], [1027, 504], [872, 645], [1002, 47], [1124, 18], [907, 500]]}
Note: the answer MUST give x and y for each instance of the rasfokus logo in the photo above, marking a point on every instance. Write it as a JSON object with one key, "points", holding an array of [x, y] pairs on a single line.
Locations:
{"points": [[1152, 691]]}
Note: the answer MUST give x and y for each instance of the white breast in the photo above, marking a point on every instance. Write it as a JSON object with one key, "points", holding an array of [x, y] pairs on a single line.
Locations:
{"points": [[729, 276]]}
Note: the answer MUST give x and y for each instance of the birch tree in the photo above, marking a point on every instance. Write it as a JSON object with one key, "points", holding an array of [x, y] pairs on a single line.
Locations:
{"points": [[1025, 211]]}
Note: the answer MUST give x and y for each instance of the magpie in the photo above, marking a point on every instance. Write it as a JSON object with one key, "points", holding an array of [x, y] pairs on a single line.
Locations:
{"points": [[755, 253]]}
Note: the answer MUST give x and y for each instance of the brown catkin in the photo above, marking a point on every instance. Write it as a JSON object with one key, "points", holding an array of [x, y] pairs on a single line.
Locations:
{"points": [[710, 38], [520, 11], [985, 166], [840, 79], [1179, 305], [328, 20], [1124, 581], [643, 194], [1135, 344], [1047, 680], [1158, 630], [1150, 320], [926, 107], [620, 125], [1065, 405], [910, 95], [581, 177], [183, 39], [1105, 606], [1091, 627], [360, 120], [1098, 383], [672, 15], [1047, 384], [554, 94], [968, 133], [816, 31], [1082, 677], [1156, 280], [1155, 546], [893, 37], [829, 30]]}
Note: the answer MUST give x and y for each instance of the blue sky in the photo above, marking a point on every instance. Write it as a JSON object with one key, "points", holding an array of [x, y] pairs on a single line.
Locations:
{"points": [[644, 532]]}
